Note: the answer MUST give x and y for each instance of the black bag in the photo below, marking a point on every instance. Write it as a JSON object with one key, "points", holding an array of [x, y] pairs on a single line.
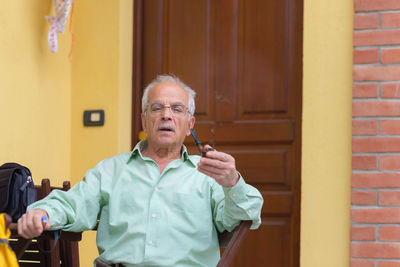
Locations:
{"points": [[17, 190]]}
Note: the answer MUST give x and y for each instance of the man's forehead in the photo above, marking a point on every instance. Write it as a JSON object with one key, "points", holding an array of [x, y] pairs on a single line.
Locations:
{"points": [[168, 85], [168, 90]]}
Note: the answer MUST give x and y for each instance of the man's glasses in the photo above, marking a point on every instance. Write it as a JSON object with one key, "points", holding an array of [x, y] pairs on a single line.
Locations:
{"points": [[178, 110]]}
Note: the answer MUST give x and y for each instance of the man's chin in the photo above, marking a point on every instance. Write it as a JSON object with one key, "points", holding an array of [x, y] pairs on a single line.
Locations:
{"points": [[165, 141]]}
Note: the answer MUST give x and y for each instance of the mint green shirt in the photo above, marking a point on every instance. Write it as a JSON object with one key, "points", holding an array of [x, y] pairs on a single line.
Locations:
{"points": [[153, 219]]}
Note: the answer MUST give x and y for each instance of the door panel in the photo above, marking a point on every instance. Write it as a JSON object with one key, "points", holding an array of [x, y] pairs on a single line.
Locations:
{"points": [[263, 164], [262, 71], [243, 58], [246, 131], [277, 230], [187, 50]]}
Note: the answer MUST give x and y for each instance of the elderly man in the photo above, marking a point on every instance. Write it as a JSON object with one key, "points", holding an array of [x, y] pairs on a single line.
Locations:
{"points": [[156, 205]]}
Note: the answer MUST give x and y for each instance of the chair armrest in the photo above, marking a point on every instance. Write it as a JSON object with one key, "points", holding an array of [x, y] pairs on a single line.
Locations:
{"points": [[100, 263], [232, 242], [12, 226], [65, 235], [8, 220]]}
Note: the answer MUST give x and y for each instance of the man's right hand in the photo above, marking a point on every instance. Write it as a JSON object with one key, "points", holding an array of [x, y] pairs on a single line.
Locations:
{"points": [[30, 224]]}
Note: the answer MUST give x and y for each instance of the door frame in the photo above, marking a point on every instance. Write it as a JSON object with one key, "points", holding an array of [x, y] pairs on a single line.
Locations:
{"points": [[296, 78]]}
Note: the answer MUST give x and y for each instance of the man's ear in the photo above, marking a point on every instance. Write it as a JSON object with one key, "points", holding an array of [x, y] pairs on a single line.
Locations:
{"points": [[143, 118], [191, 122]]}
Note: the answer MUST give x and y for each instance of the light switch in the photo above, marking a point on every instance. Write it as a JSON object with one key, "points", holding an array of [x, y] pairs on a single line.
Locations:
{"points": [[93, 117]]}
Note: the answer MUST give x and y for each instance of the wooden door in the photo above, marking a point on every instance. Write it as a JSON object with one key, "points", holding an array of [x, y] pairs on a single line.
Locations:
{"points": [[243, 58]]}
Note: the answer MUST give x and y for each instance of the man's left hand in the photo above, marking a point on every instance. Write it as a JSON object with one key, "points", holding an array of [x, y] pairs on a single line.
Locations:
{"points": [[220, 166]]}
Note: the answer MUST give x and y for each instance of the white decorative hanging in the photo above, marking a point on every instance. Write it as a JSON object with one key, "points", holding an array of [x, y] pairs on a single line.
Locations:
{"points": [[57, 22]]}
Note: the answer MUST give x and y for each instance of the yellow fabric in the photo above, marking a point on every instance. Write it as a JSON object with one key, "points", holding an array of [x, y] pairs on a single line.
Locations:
{"points": [[7, 256]]}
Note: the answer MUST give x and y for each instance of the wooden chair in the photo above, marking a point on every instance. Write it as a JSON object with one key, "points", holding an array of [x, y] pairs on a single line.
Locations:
{"points": [[64, 254]]}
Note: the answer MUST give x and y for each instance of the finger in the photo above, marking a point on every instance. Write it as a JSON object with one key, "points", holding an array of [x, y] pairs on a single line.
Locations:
{"points": [[37, 225], [34, 223], [22, 229], [19, 227], [25, 228], [211, 174], [216, 166], [221, 156], [209, 152], [210, 171], [205, 150], [209, 148], [30, 222], [215, 163]]}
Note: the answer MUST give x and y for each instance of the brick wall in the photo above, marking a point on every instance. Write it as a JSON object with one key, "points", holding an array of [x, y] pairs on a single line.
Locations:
{"points": [[375, 213]]}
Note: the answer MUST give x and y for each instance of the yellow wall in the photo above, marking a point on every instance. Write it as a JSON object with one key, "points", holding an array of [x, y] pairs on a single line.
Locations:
{"points": [[43, 95], [326, 136], [35, 92], [101, 79]]}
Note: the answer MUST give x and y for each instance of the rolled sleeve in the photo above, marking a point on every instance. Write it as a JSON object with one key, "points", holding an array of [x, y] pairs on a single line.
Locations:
{"points": [[74, 210], [238, 192], [57, 219], [240, 202]]}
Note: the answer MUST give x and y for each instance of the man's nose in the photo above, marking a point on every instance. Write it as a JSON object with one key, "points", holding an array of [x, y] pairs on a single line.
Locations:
{"points": [[166, 113]]}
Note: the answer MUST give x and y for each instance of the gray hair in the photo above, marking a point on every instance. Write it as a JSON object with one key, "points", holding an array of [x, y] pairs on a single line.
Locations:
{"points": [[169, 78]]}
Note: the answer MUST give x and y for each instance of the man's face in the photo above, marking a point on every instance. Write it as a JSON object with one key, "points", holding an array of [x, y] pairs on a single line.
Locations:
{"points": [[164, 128]]}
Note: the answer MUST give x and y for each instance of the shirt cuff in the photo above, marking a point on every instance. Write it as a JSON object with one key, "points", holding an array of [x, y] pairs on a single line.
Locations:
{"points": [[238, 192], [55, 222]]}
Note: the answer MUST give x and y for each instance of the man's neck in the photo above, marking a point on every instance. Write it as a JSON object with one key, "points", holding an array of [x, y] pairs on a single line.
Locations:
{"points": [[162, 156]]}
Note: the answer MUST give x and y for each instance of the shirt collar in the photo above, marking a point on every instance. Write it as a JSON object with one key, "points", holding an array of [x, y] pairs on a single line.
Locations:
{"points": [[140, 146]]}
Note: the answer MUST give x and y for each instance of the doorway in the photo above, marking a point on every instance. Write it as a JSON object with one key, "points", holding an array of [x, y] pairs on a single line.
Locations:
{"points": [[243, 58]]}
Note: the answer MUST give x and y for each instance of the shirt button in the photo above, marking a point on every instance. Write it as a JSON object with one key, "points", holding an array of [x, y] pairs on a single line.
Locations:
{"points": [[233, 195], [153, 215], [156, 188], [150, 243], [249, 211]]}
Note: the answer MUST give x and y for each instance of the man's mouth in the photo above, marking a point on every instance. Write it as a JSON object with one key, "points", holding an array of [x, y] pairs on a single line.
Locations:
{"points": [[165, 128]]}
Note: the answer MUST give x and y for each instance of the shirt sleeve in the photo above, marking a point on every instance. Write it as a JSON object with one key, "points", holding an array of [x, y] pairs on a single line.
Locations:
{"points": [[231, 205], [74, 210]]}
